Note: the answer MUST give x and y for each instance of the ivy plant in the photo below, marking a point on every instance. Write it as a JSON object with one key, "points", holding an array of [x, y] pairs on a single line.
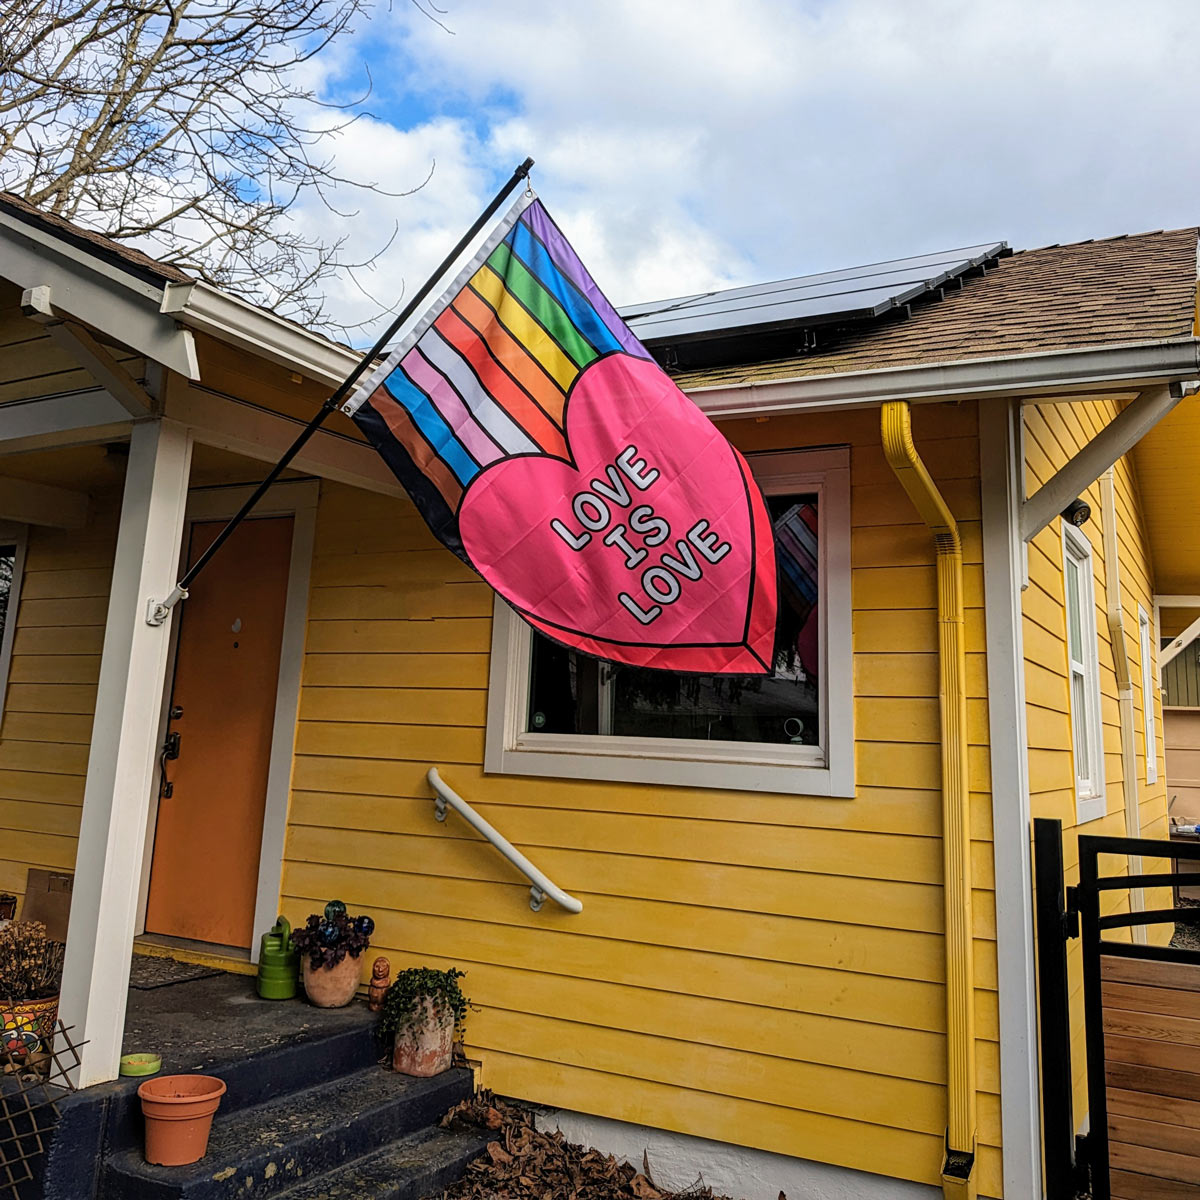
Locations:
{"points": [[404, 1002]]}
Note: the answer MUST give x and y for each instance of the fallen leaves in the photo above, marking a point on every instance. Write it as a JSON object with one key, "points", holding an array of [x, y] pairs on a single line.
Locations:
{"points": [[525, 1163]]}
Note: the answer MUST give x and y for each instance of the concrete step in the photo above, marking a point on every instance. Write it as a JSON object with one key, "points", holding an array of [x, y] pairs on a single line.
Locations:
{"points": [[423, 1164], [261, 1150]]}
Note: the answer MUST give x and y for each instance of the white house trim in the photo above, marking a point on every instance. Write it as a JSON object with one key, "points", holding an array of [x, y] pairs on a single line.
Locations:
{"points": [[1053, 372], [1149, 717], [1090, 799], [824, 770], [207, 309], [1001, 470], [121, 765]]}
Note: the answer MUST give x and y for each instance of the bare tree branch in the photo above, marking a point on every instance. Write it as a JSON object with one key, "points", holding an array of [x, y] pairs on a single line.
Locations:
{"points": [[187, 126]]}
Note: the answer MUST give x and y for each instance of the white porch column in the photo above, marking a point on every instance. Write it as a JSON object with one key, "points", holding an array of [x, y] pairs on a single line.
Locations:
{"points": [[122, 763], [1002, 482]]}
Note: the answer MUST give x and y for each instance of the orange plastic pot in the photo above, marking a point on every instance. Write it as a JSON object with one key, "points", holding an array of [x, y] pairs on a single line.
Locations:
{"points": [[179, 1112]]}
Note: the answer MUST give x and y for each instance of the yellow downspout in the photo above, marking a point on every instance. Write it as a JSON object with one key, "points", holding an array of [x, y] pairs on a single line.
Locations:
{"points": [[958, 1169], [1116, 628]]}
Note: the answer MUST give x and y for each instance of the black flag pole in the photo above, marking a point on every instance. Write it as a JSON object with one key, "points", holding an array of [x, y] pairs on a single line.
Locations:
{"points": [[160, 609]]}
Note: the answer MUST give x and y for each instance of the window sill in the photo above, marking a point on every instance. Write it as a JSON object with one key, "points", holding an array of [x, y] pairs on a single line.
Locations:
{"points": [[1090, 808], [802, 772]]}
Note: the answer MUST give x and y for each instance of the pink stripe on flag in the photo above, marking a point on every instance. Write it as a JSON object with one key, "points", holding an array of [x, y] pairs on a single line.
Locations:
{"points": [[450, 404]]}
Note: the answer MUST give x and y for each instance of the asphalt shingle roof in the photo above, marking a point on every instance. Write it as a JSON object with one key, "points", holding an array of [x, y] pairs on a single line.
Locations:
{"points": [[1137, 288], [119, 252]]}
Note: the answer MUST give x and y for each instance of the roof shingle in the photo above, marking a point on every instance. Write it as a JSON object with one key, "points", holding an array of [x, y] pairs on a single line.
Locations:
{"points": [[1137, 288], [122, 254]]}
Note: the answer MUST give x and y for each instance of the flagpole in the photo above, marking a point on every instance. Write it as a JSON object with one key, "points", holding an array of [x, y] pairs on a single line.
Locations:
{"points": [[159, 610]]}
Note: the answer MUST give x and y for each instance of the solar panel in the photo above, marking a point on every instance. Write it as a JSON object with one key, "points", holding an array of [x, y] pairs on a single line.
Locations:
{"points": [[807, 300]]}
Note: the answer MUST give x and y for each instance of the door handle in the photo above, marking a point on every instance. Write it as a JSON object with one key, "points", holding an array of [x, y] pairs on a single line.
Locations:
{"points": [[170, 752]]}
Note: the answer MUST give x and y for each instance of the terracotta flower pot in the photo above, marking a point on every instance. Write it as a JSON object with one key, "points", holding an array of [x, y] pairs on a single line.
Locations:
{"points": [[27, 1025], [332, 987], [179, 1112], [426, 1047]]}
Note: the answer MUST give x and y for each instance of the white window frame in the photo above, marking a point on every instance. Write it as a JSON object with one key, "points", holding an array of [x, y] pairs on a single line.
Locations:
{"points": [[1090, 803], [1149, 721], [18, 535], [826, 769]]}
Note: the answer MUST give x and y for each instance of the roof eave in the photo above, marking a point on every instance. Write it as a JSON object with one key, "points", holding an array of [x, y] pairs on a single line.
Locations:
{"points": [[158, 318], [1131, 365], [206, 309]]}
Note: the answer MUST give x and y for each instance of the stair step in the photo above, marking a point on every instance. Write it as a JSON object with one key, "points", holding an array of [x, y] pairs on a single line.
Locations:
{"points": [[261, 1150], [423, 1164]]}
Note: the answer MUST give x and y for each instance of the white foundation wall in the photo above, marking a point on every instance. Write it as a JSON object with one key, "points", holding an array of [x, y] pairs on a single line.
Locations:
{"points": [[676, 1159]]}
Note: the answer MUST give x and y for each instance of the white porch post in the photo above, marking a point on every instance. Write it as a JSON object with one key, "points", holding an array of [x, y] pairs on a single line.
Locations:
{"points": [[1002, 471], [124, 743]]}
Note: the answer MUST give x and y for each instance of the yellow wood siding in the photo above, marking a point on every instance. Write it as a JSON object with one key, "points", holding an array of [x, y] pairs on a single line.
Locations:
{"points": [[759, 969], [51, 697], [1053, 434], [31, 364]]}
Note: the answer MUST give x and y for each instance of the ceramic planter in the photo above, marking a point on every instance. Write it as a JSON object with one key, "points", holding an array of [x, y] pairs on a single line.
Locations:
{"points": [[426, 1047], [179, 1112], [27, 1025], [332, 987]]}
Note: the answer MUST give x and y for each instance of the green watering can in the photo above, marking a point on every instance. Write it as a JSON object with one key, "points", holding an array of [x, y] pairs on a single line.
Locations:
{"points": [[278, 963]]}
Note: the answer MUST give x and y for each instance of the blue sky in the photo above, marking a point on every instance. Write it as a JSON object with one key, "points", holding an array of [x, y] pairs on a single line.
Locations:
{"points": [[690, 144]]}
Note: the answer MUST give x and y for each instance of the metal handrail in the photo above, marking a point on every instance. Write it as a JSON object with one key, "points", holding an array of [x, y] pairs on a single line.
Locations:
{"points": [[542, 885]]}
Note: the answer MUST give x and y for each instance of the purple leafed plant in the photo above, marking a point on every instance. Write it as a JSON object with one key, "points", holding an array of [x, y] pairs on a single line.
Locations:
{"points": [[328, 939]]}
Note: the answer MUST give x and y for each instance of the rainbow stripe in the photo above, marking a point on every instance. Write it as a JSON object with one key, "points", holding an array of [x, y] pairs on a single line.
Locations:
{"points": [[796, 556], [485, 374]]}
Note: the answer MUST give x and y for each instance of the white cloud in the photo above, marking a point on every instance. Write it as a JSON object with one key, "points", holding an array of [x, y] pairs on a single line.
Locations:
{"points": [[687, 145]]}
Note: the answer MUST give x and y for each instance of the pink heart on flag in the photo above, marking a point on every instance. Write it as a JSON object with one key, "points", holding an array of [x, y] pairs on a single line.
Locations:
{"points": [[653, 548]]}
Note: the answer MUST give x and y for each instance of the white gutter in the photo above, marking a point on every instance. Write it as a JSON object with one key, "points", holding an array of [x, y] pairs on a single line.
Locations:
{"points": [[206, 309], [1053, 371]]}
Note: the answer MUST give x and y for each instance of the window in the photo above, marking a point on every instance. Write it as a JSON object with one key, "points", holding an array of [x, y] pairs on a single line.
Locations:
{"points": [[12, 555], [1083, 657], [1144, 640], [557, 713]]}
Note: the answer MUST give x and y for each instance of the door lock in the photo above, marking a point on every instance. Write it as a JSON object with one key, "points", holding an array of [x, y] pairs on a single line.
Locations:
{"points": [[170, 752]]}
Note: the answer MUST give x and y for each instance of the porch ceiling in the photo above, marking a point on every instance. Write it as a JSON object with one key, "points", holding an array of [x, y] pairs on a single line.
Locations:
{"points": [[1167, 461], [101, 468]]}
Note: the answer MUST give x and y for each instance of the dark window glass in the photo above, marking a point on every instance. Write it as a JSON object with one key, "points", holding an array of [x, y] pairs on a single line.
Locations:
{"points": [[8, 562], [570, 693]]}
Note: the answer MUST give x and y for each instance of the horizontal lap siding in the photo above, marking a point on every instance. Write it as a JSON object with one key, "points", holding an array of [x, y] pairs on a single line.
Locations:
{"points": [[31, 364], [51, 696], [1054, 433], [759, 969]]}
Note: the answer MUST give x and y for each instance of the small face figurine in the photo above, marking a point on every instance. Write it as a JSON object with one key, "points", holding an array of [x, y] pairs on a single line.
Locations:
{"points": [[380, 970]]}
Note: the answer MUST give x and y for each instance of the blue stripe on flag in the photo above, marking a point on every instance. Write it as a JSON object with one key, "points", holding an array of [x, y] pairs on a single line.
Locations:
{"points": [[435, 430], [583, 316]]}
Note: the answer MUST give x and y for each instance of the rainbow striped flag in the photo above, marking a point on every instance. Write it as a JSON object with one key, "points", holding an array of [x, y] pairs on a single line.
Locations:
{"points": [[545, 448]]}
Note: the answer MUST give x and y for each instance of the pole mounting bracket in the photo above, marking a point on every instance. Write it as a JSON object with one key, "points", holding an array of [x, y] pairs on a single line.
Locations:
{"points": [[157, 611]]}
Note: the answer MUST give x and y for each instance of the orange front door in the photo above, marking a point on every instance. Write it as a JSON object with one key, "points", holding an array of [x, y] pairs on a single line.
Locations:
{"points": [[204, 873]]}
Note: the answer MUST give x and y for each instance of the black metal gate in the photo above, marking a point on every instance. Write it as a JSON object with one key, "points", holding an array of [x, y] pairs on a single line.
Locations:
{"points": [[1141, 1018]]}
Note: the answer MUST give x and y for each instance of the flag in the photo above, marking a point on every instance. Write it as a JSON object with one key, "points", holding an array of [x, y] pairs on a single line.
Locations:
{"points": [[545, 447]]}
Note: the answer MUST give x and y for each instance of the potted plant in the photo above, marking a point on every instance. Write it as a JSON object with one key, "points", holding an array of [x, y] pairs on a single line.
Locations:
{"points": [[421, 1012], [330, 946], [30, 976]]}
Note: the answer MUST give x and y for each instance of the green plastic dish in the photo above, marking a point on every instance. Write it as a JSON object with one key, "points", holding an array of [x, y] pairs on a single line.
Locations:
{"points": [[141, 1064]]}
